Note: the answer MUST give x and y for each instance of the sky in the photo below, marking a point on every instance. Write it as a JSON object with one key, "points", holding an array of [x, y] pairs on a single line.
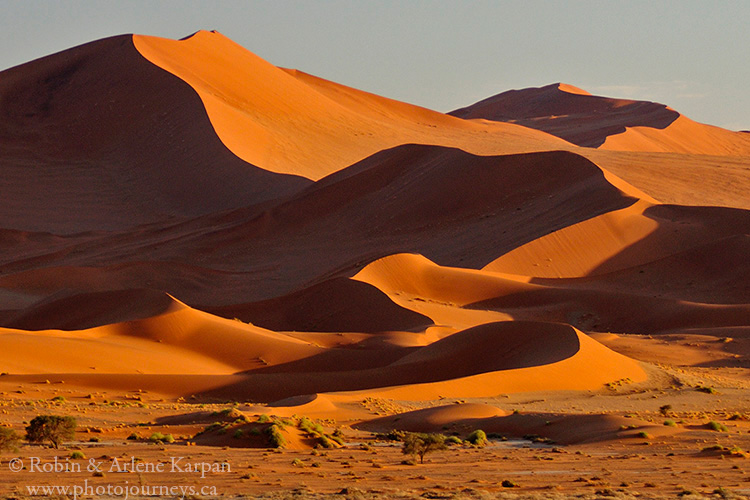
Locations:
{"points": [[689, 54]]}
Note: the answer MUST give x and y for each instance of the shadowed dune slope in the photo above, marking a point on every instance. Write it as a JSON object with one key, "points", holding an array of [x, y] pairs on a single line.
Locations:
{"points": [[634, 236], [82, 311], [114, 141], [668, 294], [434, 374], [453, 207], [289, 122], [563, 429], [616, 124], [336, 305], [570, 113], [175, 333]]}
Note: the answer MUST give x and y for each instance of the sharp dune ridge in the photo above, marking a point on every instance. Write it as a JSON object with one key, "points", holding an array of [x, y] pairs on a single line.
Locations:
{"points": [[186, 218]]}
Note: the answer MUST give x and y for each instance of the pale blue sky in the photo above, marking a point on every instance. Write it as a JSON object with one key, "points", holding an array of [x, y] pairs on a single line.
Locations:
{"points": [[692, 55]]}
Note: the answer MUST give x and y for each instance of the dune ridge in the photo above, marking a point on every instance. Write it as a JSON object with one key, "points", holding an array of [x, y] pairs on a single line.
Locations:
{"points": [[607, 123], [296, 124]]}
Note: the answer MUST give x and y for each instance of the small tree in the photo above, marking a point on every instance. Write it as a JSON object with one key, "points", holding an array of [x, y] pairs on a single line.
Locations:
{"points": [[52, 428], [422, 444], [8, 439]]}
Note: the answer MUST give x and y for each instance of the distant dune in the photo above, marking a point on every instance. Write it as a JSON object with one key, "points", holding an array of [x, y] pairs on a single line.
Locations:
{"points": [[618, 124]]}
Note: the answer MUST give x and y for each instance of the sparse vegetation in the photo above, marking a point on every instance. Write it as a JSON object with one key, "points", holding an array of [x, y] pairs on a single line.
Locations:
{"points": [[717, 426], [477, 438], [665, 409], [453, 440], [419, 444], [9, 439], [670, 423], [706, 389], [77, 455], [158, 437], [275, 438], [52, 428]]}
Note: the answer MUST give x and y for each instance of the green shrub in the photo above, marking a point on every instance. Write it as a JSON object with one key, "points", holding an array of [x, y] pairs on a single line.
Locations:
{"points": [[52, 428], [275, 438], [9, 439], [453, 440], [134, 437], [707, 390], [717, 426], [324, 442], [77, 455], [643, 435], [670, 423], [477, 438], [264, 419], [307, 425], [238, 434], [422, 444], [158, 437]]}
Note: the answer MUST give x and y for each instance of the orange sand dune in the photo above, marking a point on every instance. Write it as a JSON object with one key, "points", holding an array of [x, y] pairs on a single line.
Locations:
{"points": [[468, 415], [682, 136], [82, 311], [602, 122], [296, 124], [230, 344], [531, 356], [563, 429], [113, 141], [469, 210], [336, 305], [648, 299], [592, 366], [416, 275], [622, 239], [570, 113], [680, 179]]}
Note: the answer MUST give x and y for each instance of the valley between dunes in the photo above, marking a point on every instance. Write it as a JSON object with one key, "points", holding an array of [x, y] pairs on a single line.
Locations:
{"points": [[190, 234]]}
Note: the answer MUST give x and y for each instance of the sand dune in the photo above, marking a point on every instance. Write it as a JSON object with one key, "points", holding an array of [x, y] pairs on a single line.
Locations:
{"points": [[297, 124], [682, 136], [336, 305], [570, 113], [114, 141], [562, 429], [602, 122], [623, 239]]}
